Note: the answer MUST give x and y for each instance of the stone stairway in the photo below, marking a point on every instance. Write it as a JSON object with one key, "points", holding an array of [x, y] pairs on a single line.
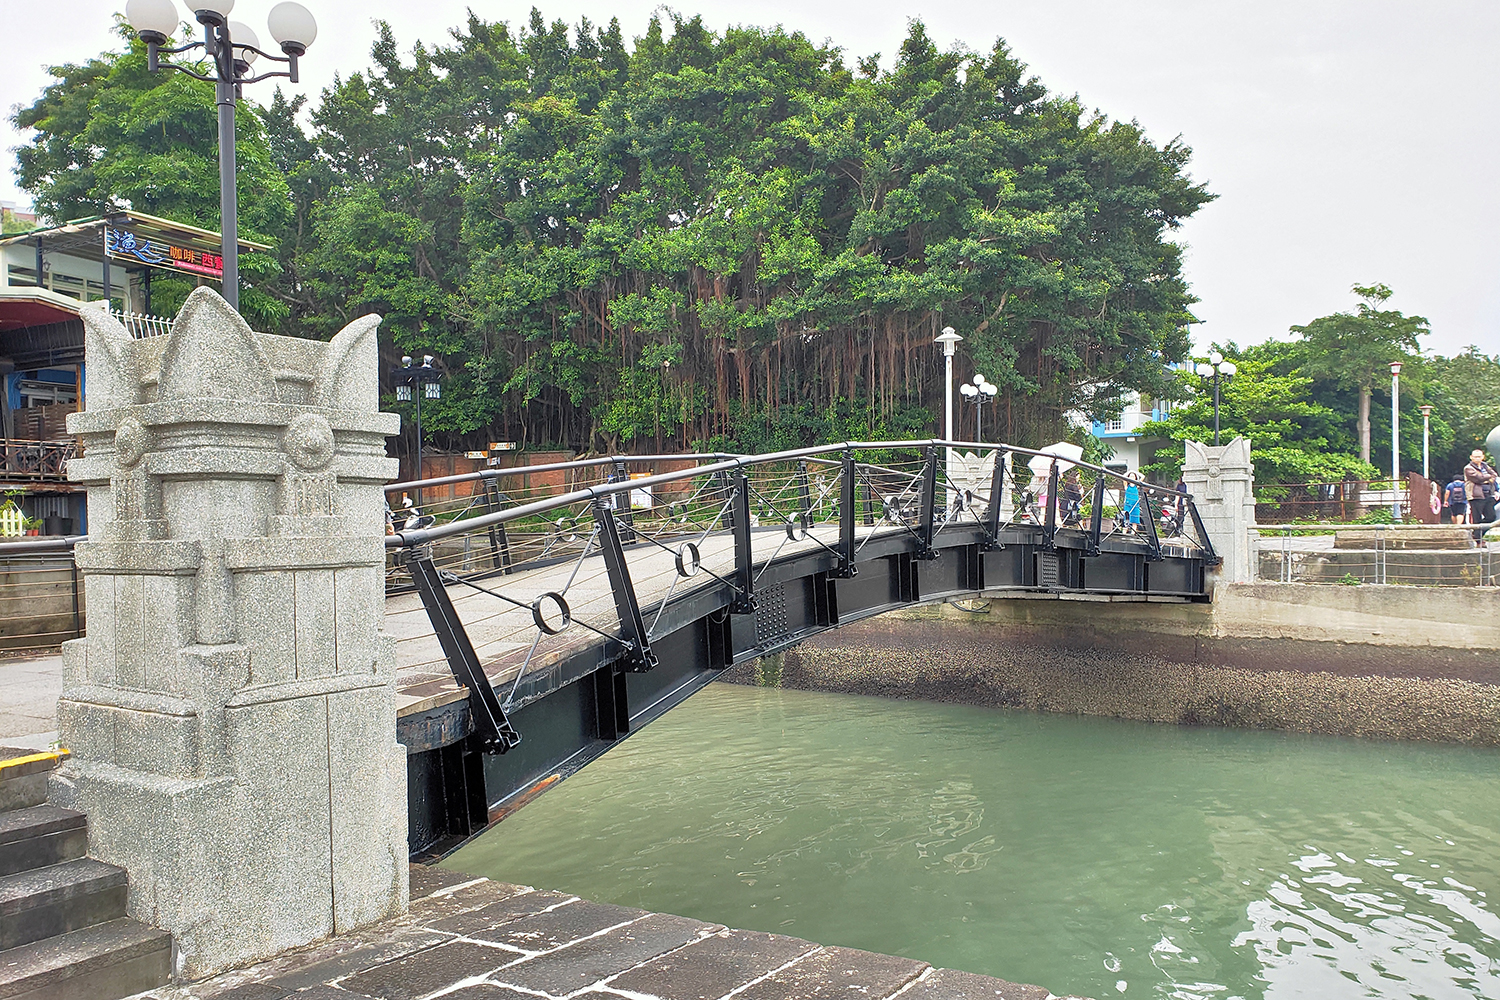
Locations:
{"points": [[64, 934]]}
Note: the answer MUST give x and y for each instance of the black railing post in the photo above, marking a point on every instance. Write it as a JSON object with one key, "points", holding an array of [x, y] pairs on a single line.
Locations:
{"points": [[929, 506], [997, 493], [744, 567], [490, 724], [805, 489], [622, 504], [632, 625], [1152, 539], [1096, 519], [499, 540], [1049, 524], [1209, 554], [724, 489], [848, 507]]}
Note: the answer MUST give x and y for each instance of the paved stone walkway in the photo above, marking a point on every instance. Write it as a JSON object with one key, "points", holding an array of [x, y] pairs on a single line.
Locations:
{"points": [[474, 939]]}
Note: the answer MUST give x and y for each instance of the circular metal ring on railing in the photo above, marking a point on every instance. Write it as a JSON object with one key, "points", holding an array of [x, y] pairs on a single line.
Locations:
{"points": [[567, 529], [688, 560], [968, 500], [796, 527], [540, 617]]}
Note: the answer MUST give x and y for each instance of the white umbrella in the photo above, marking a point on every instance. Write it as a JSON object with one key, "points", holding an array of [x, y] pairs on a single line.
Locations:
{"points": [[1067, 454]]}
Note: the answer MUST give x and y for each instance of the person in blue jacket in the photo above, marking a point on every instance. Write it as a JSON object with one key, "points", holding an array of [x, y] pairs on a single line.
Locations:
{"points": [[1130, 510]]}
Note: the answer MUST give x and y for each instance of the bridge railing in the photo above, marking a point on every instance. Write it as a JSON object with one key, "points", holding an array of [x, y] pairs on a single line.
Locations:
{"points": [[627, 545]]}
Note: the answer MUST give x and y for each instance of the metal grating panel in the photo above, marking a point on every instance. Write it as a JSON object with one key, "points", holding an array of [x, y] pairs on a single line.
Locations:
{"points": [[771, 624], [1047, 567]]}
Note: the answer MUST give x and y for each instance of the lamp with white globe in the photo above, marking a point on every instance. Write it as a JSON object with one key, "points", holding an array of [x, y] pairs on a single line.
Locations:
{"points": [[231, 47], [1216, 368], [979, 392]]}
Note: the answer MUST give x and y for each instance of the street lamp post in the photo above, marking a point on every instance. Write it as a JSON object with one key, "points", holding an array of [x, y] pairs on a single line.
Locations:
{"points": [[423, 379], [949, 339], [1426, 438], [293, 28], [1396, 436], [979, 392], [1216, 368]]}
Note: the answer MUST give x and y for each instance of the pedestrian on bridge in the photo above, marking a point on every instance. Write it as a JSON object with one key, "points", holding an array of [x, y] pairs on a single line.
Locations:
{"points": [[1130, 509], [1479, 479], [1072, 497]]}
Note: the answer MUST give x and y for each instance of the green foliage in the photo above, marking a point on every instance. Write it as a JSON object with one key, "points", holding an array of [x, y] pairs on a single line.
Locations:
{"points": [[1356, 349], [1293, 439], [726, 238]]}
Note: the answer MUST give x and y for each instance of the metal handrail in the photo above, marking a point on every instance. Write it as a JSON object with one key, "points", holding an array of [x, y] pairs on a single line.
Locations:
{"points": [[424, 536], [521, 470]]}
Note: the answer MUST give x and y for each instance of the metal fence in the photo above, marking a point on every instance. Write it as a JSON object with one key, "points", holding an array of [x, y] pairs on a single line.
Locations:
{"points": [[1432, 555], [1345, 502]]}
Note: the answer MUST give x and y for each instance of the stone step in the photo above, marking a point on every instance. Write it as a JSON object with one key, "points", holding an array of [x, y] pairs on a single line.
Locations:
{"points": [[60, 898], [39, 836], [114, 959], [23, 776]]}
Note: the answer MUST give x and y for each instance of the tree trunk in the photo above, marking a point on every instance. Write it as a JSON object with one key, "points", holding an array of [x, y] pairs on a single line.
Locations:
{"points": [[1364, 423]]}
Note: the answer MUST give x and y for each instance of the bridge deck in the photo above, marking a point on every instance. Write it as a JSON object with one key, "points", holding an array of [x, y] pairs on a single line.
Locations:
{"points": [[503, 634]]}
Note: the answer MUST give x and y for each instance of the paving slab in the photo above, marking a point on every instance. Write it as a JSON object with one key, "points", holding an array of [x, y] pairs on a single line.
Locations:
{"points": [[482, 991], [837, 974], [495, 941], [427, 879], [428, 971], [359, 960], [483, 919], [593, 960], [949, 984], [554, 928], [712, 967]]}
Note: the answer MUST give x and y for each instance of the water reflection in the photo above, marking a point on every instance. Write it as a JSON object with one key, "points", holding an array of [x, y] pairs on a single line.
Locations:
{"points": [[1092, 856]]}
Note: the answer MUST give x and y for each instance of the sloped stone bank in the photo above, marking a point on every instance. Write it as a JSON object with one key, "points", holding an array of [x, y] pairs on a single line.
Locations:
{"points": [[1263, 657]]}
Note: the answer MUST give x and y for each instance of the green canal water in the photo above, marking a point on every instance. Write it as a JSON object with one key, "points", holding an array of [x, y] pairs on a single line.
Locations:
{"points": [[1091, 856]]}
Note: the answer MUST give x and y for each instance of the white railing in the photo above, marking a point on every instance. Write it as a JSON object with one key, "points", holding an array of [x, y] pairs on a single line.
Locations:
{"points": [[142, 325]]}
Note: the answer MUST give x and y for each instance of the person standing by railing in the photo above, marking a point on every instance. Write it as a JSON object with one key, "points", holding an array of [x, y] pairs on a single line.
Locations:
{"points": [[1479, 482]]}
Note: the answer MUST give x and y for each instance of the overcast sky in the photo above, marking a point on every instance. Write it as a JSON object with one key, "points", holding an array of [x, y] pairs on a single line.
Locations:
{"points": [[1348, 140]]}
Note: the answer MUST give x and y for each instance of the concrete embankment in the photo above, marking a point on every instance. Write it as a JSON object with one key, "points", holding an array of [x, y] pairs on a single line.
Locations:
{"points": [[1384, 662]]}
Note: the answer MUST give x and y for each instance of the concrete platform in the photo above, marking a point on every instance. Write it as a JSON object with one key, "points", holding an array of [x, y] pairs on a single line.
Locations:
{"points": [[474, 939]]}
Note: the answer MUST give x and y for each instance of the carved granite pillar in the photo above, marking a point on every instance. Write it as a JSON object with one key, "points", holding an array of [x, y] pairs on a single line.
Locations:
{"points": [[231, 711], [1222, 482]]}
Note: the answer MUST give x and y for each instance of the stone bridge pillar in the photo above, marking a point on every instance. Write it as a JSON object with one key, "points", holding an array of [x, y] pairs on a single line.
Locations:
{"points": [[1222, 482], [231, 711]]}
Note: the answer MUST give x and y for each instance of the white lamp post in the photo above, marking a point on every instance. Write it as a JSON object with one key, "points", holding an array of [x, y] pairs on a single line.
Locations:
{"points": [[1426, 438], [1215, 368], [979, 392], [232, 47], [949, 340], [1396, 437]]}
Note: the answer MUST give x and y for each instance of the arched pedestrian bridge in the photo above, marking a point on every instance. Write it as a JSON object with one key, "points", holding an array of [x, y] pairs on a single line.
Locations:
{"points": [[552, 610]]}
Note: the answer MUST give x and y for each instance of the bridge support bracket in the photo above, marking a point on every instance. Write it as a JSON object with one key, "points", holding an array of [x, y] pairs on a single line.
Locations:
{"points": [[928, 512], [639, 657], [848, 511], [492, 727], [744, 567]]}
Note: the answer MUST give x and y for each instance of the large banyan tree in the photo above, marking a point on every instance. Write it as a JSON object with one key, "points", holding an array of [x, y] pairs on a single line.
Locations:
{"points": [[732, 240]]}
